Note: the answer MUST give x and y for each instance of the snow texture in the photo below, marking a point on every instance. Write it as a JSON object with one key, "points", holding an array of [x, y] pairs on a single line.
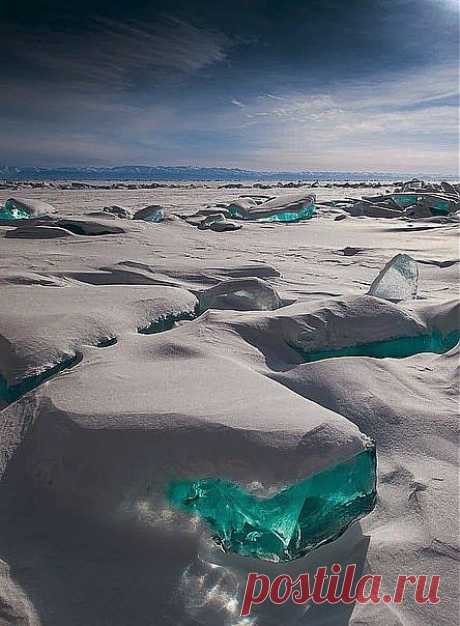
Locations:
{"points": [[104, 416]]}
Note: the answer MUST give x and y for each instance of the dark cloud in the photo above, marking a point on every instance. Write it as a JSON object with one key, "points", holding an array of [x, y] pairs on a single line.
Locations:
{"points": [[114, 54]]}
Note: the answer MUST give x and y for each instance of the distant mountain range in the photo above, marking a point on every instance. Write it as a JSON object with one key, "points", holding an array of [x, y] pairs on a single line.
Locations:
{"points": [[189, 173]]}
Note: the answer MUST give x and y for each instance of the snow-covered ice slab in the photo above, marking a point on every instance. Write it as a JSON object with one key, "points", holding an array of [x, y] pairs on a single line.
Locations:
{"points": [[189, 413], [240, 294], [43, 328], [152, 213], [438, 203], [120, 211], [25, 208], [202, 415], [252, 430], [212, 219], [286, 208], [202, 407], [361, 326], [51, 227]]}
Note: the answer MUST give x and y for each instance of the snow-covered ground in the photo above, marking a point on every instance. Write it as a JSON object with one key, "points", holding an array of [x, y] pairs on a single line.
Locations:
{"points": [[87, 537]]}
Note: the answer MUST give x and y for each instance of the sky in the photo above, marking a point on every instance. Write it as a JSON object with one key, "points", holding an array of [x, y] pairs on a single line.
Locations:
{"points": [[340, 85]]}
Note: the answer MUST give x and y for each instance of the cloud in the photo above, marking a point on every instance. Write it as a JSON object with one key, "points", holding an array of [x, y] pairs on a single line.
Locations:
{"points": [[401, 123], [326, 86], [404, 123], [117, 55]]}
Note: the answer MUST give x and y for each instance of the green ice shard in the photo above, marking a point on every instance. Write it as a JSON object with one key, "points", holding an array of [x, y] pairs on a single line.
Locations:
{"points": [[291, 216], [259, 215], [398, 348], [289, 524], [11, 212], [405, 199], [439, 206]]}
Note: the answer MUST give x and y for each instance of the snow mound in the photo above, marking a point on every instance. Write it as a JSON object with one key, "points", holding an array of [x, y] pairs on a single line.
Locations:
{"points": [[42, 327]]}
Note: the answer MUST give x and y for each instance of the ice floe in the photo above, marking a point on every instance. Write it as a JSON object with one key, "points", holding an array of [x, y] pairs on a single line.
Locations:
{"points": [[286, 208], [25, 208]]}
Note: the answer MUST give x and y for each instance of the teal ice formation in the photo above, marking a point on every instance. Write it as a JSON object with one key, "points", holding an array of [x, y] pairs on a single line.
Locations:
{"points": [[287, 208], [10, 211], [289, 524], [24, 209], [396, 348]]}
